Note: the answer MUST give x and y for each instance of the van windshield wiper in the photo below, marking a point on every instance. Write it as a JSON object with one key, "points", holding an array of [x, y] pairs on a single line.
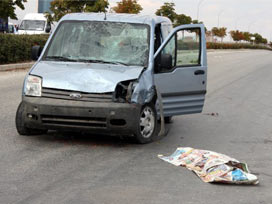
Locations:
{"points": [[60, 58], [102, 62], [122, 63]]}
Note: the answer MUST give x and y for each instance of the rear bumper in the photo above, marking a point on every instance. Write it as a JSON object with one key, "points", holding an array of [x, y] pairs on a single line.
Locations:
{"points": [[106, 118]]}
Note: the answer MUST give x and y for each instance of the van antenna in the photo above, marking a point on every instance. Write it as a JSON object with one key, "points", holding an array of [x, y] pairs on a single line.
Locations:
{"points": [[105, 16]]}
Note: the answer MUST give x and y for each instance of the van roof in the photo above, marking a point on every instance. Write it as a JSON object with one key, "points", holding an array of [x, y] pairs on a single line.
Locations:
{"points": [[35, 16], [113, 17]]}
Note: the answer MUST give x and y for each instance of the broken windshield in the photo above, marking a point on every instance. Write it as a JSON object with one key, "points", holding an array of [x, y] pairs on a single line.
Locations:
{"points": [[101, 42]]}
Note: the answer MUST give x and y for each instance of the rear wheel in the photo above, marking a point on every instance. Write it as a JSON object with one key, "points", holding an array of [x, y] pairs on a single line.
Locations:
{"points": [[20, 126], [147, 124]]}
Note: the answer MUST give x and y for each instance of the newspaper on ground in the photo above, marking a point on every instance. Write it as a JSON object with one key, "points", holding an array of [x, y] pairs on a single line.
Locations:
{"points": [[211, 166]]}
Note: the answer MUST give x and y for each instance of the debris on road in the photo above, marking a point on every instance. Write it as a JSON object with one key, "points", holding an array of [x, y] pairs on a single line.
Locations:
{"points": [[212, 114], [211, 166]]}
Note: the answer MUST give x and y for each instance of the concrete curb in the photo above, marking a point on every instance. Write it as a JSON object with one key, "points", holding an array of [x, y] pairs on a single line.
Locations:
{"points": [[9, 67]]}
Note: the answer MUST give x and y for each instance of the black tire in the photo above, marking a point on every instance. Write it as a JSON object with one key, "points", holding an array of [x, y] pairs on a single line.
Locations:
{"points": [[20, 126], [151, 127]]}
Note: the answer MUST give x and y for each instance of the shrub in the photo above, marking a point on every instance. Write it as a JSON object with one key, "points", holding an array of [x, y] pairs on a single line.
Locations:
{"points": [[17, 48], [182, 45], [211, 45]]}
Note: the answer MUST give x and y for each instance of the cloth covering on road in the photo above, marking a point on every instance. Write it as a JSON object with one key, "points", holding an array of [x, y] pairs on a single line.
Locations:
{"points": [[211, 166]]}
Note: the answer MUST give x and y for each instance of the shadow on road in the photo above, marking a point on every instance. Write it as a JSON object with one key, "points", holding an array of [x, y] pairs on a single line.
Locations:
{"points": [[88, 139]]}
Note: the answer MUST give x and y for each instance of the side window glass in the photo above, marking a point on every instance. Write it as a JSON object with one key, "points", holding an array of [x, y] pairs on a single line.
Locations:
{"points": [[166, 29], [188, 47], [170, 49]]}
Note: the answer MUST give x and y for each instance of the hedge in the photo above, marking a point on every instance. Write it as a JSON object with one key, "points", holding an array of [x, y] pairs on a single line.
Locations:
{"points": [[211, 45], [182, 45], [17, 48]]}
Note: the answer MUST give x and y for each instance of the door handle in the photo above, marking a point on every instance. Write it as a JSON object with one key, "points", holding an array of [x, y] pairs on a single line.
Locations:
{"points": [[199, 72]]}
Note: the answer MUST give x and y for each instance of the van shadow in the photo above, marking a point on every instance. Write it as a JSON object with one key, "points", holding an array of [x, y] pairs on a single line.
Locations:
{"points": [[86, 139], [89, 139]]}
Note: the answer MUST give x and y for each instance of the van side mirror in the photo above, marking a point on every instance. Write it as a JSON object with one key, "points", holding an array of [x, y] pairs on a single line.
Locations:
{"points": [[48, 28], [166, 61], [36, 52]]}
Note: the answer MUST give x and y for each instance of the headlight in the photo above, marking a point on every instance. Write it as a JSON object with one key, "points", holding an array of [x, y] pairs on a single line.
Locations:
{"points": [[33, 86]]}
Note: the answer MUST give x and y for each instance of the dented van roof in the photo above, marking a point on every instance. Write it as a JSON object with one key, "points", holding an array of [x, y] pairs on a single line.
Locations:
{"points": [[113, 17]]}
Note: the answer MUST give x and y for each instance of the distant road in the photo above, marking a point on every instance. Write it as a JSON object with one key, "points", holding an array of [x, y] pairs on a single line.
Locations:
{"points": [[59, 168]]}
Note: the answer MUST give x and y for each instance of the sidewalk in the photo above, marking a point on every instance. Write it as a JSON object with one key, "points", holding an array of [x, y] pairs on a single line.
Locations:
{"points": [[8, 67]]}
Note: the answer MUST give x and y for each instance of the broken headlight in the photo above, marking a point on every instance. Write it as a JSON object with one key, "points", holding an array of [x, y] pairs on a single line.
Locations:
{"points": [[33, 86], [124, 90]]}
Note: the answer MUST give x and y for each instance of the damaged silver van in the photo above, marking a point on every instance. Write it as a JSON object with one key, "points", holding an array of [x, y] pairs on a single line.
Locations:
{"points": [[114, 74]]}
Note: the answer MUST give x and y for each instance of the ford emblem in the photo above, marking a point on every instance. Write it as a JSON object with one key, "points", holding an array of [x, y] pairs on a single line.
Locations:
{"points": [[75, 96]]}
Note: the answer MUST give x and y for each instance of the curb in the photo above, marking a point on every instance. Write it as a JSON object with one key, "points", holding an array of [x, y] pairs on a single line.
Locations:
{"points": [[9, 67]]}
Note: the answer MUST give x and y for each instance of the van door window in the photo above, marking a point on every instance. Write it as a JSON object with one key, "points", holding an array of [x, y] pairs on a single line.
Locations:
{"points": [[158, 37], [170, 49], [166, 29], [188, 47], [184, 50]]}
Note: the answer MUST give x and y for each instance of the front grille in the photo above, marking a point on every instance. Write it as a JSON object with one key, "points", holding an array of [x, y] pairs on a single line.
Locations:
{"points": [[74, 121], [65, 95]]}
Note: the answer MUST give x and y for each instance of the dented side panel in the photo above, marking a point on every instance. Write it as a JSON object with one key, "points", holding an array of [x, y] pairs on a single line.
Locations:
{"points": [[145, 89]]}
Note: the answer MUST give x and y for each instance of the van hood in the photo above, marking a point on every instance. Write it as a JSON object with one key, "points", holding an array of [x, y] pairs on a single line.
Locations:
{"points": [[30, 32], [84, 77]]}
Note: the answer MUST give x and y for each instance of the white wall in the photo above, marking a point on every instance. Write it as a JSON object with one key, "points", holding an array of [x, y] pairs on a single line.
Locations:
{"points": [[31, 6]]}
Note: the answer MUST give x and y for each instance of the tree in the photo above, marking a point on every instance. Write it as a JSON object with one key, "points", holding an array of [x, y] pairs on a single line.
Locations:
{"points": [[208, 33], [199, 22], [247, 36], [265, 41], [196, 22], [219, 32], [128, 6], [167, 10], [259, 39], [7, 8], [61, 7], [182, 20], [237, 35], [49, 17]]}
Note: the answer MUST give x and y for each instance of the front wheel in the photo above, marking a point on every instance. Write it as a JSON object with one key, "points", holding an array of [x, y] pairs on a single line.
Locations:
{"points": [[147, 124]]}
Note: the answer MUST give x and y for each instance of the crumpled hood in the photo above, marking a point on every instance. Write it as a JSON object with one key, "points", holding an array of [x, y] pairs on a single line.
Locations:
{"points": [[84, 77]]}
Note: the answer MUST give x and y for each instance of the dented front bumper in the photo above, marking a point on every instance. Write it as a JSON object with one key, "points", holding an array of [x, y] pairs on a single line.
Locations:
{"points": [[96, 117]]}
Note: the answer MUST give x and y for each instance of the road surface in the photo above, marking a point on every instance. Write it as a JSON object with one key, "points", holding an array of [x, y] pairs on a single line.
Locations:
{"points": [[61, 168]]}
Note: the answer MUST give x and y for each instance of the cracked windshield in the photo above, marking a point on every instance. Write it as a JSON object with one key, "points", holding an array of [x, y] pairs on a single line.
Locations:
{"points": [[101, 42]]}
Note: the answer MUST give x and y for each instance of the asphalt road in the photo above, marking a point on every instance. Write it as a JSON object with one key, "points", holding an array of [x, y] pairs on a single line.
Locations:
{"points": [[60, 168]]}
